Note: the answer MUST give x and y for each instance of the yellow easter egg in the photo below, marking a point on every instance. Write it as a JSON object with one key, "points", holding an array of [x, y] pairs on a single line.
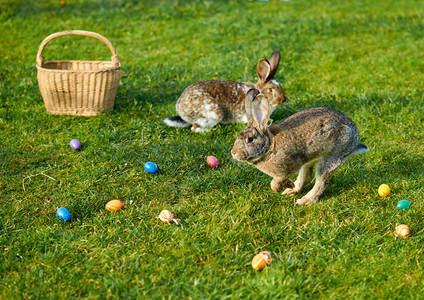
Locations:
{"points": [[114, 205], [401, 230], [261, 260], [383, 190], [166, 216]]}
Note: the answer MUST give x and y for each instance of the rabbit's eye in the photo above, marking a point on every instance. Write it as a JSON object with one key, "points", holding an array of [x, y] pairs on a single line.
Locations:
{"points": [[249, 140], [270, 90]]}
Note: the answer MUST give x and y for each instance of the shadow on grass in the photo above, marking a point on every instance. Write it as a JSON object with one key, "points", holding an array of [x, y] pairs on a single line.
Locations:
{"points": [[399, 165], [147, 9], [31, 8], [379, 104], [143, 88]]}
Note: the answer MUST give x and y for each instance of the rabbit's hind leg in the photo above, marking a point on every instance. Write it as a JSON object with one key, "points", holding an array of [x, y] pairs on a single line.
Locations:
{"points": [[203, 125], [306, 173], [207, 120], [325, 168]]}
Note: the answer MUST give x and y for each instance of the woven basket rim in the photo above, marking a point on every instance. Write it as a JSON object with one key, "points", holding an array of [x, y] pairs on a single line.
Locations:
{"points": [[77, 61]]}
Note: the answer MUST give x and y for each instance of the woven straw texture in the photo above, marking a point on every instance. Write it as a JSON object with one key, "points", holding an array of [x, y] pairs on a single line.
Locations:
{"points": [[84, 88]]}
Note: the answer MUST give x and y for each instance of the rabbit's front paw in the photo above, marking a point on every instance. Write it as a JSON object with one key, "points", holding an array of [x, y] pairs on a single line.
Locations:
{"points": [[305, 200], [291, 191]]}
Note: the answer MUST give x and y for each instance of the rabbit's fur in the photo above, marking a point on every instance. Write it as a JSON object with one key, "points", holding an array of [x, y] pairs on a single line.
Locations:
{"points": [[207, 103], [318, 137]]}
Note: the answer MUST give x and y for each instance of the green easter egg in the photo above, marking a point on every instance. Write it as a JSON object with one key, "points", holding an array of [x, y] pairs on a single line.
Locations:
{"points": [[403, 204]]}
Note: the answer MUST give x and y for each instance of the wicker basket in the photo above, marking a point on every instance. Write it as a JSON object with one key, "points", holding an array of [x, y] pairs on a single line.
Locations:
{"points": [[84, 88]]}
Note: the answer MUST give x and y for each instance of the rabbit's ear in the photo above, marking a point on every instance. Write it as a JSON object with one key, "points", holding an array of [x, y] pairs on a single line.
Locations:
{"points": [[274, 61], [263, 70], [260, 112], [250, 95]]}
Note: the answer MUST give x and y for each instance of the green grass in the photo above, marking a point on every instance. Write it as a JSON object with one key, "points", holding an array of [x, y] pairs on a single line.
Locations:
{"points": [[363, 58]]}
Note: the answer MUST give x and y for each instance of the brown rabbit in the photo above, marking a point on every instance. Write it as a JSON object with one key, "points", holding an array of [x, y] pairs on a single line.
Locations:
{"points": [[320, 137], [207, 103]]}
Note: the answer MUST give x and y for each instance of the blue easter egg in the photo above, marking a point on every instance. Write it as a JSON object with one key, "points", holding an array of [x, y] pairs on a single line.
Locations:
{"points": [[75, 144], [403, 204], [150, 167], [63, 214]]}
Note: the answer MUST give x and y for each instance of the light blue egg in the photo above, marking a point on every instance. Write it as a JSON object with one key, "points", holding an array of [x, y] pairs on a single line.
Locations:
{"points": [[63, 214], [403, 204], [150, 167]]}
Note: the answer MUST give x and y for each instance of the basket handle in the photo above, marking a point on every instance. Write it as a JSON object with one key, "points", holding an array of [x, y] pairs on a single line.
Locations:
{"points": [[40, 57]]}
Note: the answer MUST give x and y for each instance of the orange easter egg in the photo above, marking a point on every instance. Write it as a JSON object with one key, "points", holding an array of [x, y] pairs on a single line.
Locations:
{"points": [[401, 230], [261, 260], [114, 205]]}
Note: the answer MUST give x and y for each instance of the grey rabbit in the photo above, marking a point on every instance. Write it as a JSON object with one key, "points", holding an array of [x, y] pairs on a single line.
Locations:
{"points": [[317, 137], [207, 103]]}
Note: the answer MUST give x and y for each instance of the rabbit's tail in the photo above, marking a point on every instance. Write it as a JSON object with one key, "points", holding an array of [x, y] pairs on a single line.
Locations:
{"points": [[360, 148], [176, 121]]}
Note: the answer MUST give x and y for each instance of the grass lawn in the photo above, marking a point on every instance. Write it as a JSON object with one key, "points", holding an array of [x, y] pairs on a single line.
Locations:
{"points": [[364, 58]]}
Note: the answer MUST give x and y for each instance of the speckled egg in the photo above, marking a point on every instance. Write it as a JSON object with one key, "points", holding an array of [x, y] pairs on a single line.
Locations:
{"points": [[166, 216], [401, 230], [151, 167], [75, 144], [261, 260], [212, 161], [63, 214], [403, 204], [114, 205]]}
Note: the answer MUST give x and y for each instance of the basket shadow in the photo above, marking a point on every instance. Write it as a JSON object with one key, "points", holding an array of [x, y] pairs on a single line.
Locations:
{"points": [[135, 93]]}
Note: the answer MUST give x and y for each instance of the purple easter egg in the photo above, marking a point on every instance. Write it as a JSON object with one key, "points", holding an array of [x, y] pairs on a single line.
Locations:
{"points": [[75, 144]]}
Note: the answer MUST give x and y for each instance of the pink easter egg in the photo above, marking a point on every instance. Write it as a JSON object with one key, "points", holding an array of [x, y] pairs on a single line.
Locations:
{"points": [[212, 161]]}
